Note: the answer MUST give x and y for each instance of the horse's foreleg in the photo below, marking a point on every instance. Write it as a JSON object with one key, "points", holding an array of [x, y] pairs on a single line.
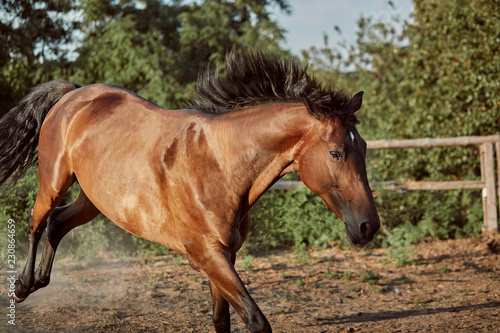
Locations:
{"points": [[219, 269], [61, 221], [220, 307]]}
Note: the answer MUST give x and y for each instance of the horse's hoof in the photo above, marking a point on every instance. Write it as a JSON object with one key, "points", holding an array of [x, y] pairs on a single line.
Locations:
{"points": [[17, 299]]}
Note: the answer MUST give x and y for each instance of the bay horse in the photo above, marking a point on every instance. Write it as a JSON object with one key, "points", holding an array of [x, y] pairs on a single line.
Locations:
{"points": [[187, 178]]}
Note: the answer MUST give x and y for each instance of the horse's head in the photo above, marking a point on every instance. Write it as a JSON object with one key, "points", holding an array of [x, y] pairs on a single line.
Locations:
{"points": [[332, 164]]}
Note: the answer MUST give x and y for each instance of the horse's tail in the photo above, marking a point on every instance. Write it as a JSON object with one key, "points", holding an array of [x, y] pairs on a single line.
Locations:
{"points": [[20, 128]]}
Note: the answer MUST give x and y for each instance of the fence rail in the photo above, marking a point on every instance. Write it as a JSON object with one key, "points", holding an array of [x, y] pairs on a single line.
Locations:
{"points": [[432, 142], [489, 183]]}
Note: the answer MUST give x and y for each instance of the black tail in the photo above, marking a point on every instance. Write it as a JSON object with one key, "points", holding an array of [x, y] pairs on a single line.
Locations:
{"points": [[20, 128]]}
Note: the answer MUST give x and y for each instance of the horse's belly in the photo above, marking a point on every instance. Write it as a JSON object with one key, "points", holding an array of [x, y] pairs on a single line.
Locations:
{"points": [[140, 213]]}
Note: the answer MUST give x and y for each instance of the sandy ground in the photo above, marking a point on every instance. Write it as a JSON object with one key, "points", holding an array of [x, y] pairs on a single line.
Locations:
{"points": [[452, 286]]}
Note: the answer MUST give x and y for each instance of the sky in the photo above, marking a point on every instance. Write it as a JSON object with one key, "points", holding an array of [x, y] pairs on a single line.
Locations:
{"points": [[310, 19]]}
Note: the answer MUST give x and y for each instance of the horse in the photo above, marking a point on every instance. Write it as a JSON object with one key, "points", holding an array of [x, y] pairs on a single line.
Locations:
{"points": [[187, 178]]}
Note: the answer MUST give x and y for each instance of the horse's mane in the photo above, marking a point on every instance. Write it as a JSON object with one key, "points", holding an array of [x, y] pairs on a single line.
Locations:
{"points": [[253, 79]]}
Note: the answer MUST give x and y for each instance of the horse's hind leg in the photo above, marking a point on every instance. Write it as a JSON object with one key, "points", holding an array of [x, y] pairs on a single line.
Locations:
{"points": [[61, 221], [50, 195]]}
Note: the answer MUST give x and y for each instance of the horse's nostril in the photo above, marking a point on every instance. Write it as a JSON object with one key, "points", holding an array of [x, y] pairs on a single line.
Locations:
{"points": [[365, 229]]}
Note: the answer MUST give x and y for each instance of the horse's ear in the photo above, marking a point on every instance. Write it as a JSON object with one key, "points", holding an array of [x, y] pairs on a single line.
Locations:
{"points": [[310, 106], [355, 103]]}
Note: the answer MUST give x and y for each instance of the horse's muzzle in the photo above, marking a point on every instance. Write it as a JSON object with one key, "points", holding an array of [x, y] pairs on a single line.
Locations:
{"points": [[362, 233]]}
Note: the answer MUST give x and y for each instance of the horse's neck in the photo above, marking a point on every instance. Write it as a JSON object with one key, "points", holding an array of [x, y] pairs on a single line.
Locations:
{"points": [[265, 140]]}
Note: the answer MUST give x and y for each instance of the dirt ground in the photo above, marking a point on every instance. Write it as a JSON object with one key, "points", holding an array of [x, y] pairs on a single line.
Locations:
{"points": [[452, 286]]}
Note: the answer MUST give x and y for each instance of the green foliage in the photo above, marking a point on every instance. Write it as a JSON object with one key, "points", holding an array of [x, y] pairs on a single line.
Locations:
{"points": [[353, 289], [158, 48], [129, 47], [436, 78], [33, 35], [247, 263], [369, 276], [208, 26], [295, 218], [402, 256], [331, 276], [15, 205], [145, 247], [155, 48], [347, 275], [299, 282], [444, 270], [87, 242]]}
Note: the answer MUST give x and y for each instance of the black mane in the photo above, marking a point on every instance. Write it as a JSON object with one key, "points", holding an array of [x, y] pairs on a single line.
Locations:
{"points": [[253, 79]]}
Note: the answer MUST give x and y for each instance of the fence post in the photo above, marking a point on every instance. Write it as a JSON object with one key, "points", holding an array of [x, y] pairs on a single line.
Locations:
{"points": [[497, 145], [490, 219]]}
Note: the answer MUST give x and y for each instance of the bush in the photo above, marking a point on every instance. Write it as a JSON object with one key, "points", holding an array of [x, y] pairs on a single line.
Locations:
{"points": [[294, 218], [15, 204]]}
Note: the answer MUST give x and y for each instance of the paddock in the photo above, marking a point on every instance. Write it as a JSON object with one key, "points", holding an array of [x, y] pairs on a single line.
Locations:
{"points": [[452, 286]]}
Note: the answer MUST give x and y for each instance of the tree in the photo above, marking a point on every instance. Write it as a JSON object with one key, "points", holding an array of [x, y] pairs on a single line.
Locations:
{"points": [[32, 35], [157, 49], [153, 47]]}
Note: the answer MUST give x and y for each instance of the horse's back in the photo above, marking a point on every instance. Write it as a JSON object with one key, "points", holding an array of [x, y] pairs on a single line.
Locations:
{"points": [[98, 102], [103, 113]]}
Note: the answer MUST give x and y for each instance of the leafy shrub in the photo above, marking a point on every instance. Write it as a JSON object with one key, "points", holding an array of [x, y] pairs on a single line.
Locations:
{"points": [[15, 204], [294, 218]]}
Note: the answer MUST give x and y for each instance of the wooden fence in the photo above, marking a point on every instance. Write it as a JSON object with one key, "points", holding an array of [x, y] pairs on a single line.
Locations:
{"points": [[488, 184]]}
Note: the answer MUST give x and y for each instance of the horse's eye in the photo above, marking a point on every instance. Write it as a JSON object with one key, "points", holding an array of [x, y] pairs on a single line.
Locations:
{"points": [[337, 155]]}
